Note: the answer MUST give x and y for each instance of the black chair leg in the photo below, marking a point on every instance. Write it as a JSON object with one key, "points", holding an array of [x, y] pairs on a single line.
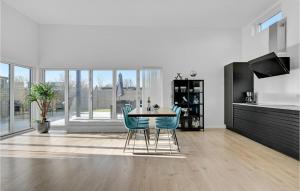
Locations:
{"points": [[126, 141], [148, 135], [176, 140], [169, 136], [146, 141], [134, 132], [130, 136], [157, 137]]}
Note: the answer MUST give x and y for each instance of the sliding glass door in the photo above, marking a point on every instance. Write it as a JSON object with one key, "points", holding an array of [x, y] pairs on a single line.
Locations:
{"points": [[56, 112], [22, 82], [126, 91], [91, 94], [151, 86], [102, 94], [4, 98], [79, 94]]}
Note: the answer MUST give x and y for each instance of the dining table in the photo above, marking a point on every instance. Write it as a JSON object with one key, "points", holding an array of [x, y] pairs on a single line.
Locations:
{"points": [[143, 112], [140, 112]]}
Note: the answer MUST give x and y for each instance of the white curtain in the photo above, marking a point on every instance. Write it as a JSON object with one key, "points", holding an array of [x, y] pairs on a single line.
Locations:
{"points": [[151, 86]]}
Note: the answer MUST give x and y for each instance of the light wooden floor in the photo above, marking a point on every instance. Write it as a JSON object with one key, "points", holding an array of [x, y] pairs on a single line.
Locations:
{"points": [[211, 161]]}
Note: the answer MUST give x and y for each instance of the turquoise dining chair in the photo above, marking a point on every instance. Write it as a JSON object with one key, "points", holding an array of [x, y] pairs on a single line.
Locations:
{"points": [[160, 119], [133, 126], [141, 120], [170, 126], [129, 108]]}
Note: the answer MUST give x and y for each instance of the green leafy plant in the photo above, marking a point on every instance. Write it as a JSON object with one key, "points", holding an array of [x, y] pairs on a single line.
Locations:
{"points": [[42, 94]]}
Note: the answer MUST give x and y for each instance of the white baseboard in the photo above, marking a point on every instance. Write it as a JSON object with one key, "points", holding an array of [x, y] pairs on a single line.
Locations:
{"points": [[96, 129], [215, 126], [16, 133], [112, 129]]}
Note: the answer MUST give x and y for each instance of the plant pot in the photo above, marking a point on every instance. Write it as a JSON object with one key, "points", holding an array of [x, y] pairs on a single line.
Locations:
{"points": [[43, 127]]}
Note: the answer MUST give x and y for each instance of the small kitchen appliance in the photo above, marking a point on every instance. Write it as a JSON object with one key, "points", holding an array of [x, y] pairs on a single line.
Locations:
{"points": [[249, 97]]}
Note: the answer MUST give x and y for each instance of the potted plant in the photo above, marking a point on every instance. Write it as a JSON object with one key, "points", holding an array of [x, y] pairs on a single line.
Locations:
{"points": [[42, 94]]}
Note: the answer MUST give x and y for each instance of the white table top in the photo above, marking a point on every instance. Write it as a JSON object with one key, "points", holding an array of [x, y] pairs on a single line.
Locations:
{"points": [[161, 112]]}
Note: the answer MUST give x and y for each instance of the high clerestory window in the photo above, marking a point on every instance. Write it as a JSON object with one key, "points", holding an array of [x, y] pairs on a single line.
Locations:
{"points": [[270, 21]]}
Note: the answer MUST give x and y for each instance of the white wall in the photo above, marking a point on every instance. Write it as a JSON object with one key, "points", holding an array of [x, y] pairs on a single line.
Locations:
{"points": [[172, 49], [284, 89], [19, 38], [19, 41]]}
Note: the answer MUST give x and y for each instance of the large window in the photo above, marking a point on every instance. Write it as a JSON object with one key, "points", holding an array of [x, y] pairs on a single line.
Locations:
{"points": [[79, 94], [4, 99], [56, 112], [22, 81], [151, 86], [102, 94], [125, 90]]}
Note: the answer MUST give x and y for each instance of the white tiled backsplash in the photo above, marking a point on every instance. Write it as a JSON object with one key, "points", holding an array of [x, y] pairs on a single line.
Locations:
{"points": [[280, 99]]}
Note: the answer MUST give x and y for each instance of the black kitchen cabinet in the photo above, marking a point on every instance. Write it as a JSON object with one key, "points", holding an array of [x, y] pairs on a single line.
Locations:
{"points": [[238, 79], [274, 128]]}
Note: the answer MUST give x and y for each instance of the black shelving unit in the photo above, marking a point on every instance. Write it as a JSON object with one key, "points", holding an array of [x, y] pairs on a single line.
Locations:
{"points": [[189, 95]]}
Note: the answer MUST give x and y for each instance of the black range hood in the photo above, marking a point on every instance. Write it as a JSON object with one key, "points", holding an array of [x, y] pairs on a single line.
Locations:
{"points": [[270, 65]]}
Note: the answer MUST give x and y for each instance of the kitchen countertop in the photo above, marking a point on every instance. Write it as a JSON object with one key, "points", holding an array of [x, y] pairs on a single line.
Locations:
{"points": [[286, 107]]}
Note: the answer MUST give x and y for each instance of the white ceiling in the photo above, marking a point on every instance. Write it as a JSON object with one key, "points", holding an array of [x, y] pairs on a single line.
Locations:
{"points": [[193, 13]]}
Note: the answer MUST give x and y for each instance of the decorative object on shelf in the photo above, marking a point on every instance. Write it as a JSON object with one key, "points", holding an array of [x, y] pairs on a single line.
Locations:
{"points": [[176, 89], [42, 94], [149, 104], [156, 107], [195, 122], [178, 77], [193, 73], [196, 100], [183, 89], [186, 112], [186, 123], [184, 99], [197, 89], [189, 96]]}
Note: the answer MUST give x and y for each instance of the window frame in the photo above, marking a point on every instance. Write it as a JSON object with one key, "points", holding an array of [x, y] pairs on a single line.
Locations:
{"points": [[9, 95], [89, 94], [43, 79], [137, 86], [92, 92], [96, 122], [266, 19], [12, 98]]}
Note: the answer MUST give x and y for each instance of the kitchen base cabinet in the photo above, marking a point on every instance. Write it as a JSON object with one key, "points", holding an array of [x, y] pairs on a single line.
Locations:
{"points": [[275, 128]]}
